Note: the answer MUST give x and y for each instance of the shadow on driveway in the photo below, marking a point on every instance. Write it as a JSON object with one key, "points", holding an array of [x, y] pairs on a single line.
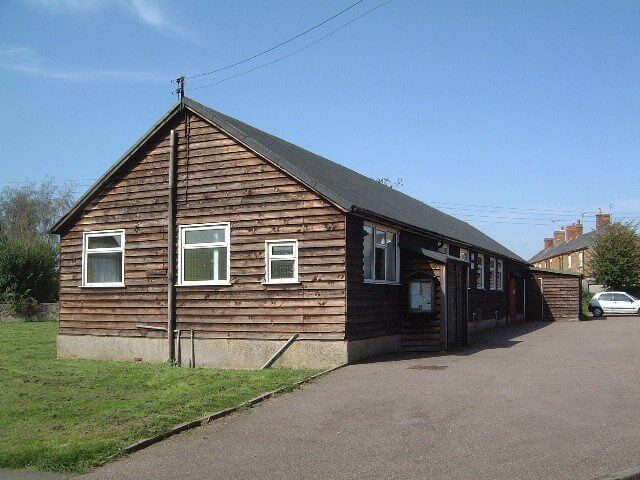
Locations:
{"points": [[494, 338]]}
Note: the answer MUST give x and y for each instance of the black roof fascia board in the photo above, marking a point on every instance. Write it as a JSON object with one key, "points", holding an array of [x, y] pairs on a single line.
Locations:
{"points": [[557, 272]]}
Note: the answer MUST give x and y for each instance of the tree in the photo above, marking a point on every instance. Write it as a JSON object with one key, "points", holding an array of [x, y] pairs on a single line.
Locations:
{"points": [[615, 256], [30, 210]]}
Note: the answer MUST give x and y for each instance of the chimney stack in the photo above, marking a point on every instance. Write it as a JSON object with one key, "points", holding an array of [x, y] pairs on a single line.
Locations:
{"points": [[558, 237], [548, 243], [602, 219], [574, 230]]}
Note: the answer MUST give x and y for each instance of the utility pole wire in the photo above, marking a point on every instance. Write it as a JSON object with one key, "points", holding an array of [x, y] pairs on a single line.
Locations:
{"points": [[294, 52], [275, 46]]}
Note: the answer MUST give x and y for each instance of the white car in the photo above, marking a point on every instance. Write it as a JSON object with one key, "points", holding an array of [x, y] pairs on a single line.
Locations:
{"points": [[613, 302]]}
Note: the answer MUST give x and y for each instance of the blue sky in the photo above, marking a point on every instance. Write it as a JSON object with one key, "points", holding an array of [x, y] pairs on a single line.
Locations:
{"points": [[510, 115]]}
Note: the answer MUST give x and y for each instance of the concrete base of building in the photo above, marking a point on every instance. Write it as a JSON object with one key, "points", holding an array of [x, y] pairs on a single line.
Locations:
{"points": [[371, 347], [226, 353]]}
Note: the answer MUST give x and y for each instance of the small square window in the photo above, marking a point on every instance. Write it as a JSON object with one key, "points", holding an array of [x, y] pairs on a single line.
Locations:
{"points": [[103, 259], [282, 261]]}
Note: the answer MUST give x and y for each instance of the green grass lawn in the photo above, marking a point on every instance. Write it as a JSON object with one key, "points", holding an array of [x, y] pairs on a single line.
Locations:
{"points": [[69, 415]]}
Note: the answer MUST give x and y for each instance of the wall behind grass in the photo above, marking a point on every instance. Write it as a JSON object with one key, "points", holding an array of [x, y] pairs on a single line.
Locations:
{"points": [[47, 312]]}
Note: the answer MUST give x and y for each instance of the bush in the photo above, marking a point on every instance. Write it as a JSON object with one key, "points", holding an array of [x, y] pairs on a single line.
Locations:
{"points": [[586, 298], [28, 270], [22, 306], [615, 259]]}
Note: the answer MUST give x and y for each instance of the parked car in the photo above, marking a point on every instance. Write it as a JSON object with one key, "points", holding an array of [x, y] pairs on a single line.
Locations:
{"points": [[613, 302]]}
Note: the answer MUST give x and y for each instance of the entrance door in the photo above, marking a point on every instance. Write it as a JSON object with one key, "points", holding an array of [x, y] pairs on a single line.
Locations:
{"points": [[456, 304], [513, 308]]}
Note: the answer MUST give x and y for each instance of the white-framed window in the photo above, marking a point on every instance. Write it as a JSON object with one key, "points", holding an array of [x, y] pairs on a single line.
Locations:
{"points": [[581, 259], [103, 258], [480, 269], [492, 273], [204, 254], [500, 275], [281, 261], [381, 255], [569, 261]]}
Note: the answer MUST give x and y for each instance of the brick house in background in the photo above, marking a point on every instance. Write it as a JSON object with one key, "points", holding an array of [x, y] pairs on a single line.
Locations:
{"points": [[569, 249]]}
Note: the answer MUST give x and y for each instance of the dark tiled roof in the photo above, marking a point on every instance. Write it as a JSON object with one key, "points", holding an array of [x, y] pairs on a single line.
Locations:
{"points": [[579, 243], [344, 187], [557, 272], [349, 189]]}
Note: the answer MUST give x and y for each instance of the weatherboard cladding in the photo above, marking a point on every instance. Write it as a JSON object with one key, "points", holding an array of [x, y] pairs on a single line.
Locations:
{"points": [[342, 186], [579, 243]]}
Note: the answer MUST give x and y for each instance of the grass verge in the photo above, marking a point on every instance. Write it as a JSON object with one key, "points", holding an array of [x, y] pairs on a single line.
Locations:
{"points": [[70, 415]]}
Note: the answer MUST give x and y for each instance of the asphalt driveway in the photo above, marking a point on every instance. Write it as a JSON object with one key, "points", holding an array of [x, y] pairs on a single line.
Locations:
{"points": [[553, 401]]}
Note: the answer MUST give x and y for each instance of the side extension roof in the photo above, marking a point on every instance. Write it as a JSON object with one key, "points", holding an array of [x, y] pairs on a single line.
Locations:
{"points": [[346, 188]]}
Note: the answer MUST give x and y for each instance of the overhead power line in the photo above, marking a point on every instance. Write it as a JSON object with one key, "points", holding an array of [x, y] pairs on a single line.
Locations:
{"points": [[296, 51], [54, 180], [468, 212], [240, 62], [573, 212]]}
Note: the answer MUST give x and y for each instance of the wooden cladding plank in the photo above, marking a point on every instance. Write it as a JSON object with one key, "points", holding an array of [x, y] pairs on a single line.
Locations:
{"points": [[219, 180]]}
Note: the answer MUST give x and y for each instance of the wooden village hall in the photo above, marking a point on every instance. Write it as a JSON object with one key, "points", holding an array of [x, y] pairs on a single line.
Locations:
{"points": [[218, 230]]}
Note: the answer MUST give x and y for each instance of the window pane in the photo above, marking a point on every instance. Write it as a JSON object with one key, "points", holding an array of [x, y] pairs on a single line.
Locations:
{"points": [[619, 297], [285, 249], [104, 267], [368, 253], [281, 269], [391, 257], [380, 263], [202, 264], [106, 241], [381, 237], [209, 235]]}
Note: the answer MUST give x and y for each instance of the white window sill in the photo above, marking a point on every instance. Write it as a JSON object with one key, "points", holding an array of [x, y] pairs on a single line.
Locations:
{"points": [[106, 285], [289, 282], [203, 284]]}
